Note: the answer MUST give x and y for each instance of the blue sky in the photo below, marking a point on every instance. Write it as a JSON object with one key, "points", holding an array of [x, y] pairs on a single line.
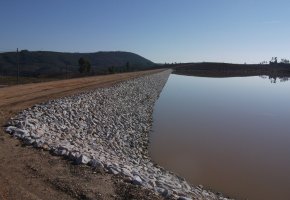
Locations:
{"points": [[161, 30]]}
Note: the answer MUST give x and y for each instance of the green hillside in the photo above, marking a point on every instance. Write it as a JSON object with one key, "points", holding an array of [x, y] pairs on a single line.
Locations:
{"points": [[46, 63]]}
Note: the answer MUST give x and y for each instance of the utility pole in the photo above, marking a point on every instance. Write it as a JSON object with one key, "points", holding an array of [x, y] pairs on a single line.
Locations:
{"points": [[17, 66], [66, 75]]}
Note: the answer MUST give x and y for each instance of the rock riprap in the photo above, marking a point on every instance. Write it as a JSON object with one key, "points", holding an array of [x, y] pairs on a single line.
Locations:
{"points": [[106, 128]]}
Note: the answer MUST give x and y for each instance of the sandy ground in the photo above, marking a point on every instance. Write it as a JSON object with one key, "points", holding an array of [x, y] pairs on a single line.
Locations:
{"points": [[28, 173]]}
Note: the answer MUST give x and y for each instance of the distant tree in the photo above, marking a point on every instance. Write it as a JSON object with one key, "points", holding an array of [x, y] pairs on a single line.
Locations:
{"points": [[84, 65], [82, 62], [274, 60], [263, 62], [127, 66], [88, 66], [111, 70], [285, 61]]}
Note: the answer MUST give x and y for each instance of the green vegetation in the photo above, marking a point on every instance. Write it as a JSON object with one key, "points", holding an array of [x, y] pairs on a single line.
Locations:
{"points": [[85, 65], [125, 68], [274, 61], [285, 61]]}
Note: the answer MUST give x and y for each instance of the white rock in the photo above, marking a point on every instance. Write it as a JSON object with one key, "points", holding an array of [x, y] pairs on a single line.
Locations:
{"points": [[96, 163], [82, 160], [126, 172], [184, 198], [10, 129], [137, 180]]}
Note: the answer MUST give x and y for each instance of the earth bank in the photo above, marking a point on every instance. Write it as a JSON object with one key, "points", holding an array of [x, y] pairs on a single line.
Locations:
{"points": [[108, 129]]}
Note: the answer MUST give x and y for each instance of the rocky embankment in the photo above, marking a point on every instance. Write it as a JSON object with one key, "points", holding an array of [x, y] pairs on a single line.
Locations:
{"points": [[106, 128]]}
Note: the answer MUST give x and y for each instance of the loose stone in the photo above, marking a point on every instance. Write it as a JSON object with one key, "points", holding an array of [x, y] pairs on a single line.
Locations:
{"points": [[108, 129]]}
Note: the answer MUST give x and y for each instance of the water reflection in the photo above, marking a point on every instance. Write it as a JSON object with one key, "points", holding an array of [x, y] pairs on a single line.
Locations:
{"points": [[273, 79], [229, 134]]}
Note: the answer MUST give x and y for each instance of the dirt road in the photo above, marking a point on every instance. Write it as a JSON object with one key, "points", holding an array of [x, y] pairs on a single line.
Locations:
{"points": [[28, 173]]}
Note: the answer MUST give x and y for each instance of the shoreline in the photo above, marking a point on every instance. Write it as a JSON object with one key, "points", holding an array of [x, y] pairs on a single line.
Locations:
{"points": [[221, 70], [106, 128]]}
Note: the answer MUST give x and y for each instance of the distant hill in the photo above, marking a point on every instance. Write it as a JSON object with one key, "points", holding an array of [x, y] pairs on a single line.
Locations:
{"points": [[47, 63]]}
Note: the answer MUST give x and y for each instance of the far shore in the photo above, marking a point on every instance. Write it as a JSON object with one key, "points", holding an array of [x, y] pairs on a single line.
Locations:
{"points": [[206, 69]]}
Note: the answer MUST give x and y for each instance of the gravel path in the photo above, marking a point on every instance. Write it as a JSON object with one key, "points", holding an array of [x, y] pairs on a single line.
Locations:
{"points": [[108, 129]]}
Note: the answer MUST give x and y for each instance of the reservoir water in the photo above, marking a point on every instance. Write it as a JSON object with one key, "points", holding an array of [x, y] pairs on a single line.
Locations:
{"points": [[231, 135]]}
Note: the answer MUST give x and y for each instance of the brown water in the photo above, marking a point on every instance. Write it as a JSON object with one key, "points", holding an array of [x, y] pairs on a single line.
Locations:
{"points": [[229, 134]]}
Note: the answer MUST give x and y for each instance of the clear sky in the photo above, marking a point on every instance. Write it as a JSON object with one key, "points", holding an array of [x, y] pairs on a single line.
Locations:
{"points": [[161, 30]]}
